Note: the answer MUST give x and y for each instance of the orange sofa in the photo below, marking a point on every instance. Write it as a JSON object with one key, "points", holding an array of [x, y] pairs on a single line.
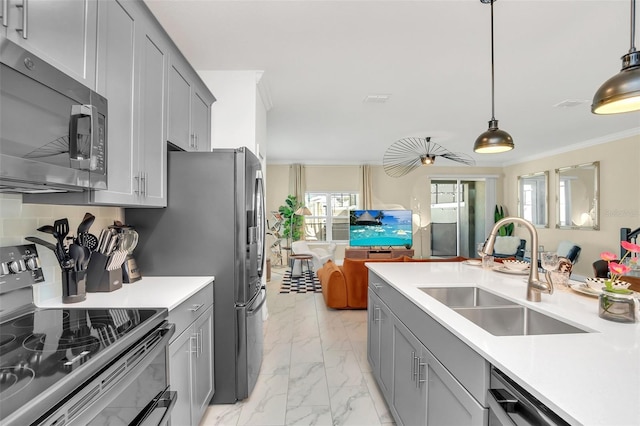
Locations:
{"points": [[345, 287]]}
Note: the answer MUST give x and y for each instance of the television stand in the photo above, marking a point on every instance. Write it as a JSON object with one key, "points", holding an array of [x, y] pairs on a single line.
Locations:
{"points": [[376, 253]]}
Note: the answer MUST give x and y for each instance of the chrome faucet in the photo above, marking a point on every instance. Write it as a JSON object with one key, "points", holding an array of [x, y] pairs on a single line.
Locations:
{"points": [[534, 285]]}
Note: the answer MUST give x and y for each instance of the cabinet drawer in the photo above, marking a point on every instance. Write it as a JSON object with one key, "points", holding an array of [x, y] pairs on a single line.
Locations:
{"points": [[187, 312], [378, 285]]}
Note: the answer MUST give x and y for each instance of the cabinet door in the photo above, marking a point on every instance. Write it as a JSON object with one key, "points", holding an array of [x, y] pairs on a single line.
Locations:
{"points": [[117, 28], [152, 126], [179, 109], [386, 321], [448, 402], [61, 32], [409, 396], [380, 343], [180, 373], [203, 365], [373, 333], [200, 119]]}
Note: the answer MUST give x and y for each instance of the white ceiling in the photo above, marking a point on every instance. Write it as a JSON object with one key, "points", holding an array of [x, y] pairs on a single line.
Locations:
{"points": [[321, 58]]}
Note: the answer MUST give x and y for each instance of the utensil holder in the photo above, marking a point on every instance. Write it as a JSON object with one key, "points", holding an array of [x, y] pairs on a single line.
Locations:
{"points": [[74, 286], [98, 278]]}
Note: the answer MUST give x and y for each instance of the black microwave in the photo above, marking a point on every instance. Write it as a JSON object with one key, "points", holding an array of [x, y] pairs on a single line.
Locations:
{"points": [[53, 135]]}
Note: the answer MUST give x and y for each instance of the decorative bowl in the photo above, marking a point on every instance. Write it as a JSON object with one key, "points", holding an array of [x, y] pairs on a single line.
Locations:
{"points": [[599, 284], [516, 265]]}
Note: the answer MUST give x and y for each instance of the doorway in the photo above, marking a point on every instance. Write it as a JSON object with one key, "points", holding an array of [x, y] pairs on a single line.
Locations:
{"points": [[459, 212]]}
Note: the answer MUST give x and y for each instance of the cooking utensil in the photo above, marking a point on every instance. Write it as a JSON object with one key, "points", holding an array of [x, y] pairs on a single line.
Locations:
{"points": [[42, 242], [47, 229], [76, 252], [89, 240], [61, 230], [62, 227], [86, 223]]}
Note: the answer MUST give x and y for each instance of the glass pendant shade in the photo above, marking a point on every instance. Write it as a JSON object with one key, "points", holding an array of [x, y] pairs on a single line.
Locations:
{"points": [[621, 93], [493, 141]]}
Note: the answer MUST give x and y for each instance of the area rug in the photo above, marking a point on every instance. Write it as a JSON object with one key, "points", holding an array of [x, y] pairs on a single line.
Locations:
{"points": [[306, 283]]}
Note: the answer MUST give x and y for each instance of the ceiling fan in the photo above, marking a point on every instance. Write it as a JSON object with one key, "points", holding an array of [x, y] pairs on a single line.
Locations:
{"points": [[408, 154]]}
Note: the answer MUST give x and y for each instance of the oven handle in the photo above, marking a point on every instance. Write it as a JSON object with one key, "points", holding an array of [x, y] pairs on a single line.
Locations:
{"points": [[165, 400]]}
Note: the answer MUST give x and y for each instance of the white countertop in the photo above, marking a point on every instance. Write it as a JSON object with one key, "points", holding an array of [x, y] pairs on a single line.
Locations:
{"points": [[587, 378], [149, 292]]}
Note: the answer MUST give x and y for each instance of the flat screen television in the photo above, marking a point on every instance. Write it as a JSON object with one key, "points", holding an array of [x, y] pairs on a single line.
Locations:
{"points": [[380, 228]]}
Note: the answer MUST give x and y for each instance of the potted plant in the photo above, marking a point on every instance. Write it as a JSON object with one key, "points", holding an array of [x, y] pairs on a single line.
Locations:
{"points": [[291, 223]]}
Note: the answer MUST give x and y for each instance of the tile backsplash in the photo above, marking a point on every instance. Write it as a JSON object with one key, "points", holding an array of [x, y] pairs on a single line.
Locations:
{"points": [[19, 220]]}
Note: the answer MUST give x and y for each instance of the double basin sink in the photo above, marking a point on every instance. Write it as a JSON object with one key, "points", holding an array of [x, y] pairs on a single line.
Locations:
{"points": [[497, 315]]}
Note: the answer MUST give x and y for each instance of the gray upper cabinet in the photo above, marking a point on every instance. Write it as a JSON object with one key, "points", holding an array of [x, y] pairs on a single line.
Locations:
{"points": [[61, 32], [133, 57], [189, 108]]}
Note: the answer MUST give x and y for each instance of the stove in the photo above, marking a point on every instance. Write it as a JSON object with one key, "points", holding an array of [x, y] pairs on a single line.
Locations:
{"points": [[50, 356]]}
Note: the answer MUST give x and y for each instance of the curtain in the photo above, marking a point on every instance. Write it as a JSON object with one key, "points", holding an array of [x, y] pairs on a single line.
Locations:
{"points": [[365, 187], [297, 183]]}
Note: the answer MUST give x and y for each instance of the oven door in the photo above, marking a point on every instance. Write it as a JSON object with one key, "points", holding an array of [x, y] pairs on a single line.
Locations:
{"points": [[133, 390]]}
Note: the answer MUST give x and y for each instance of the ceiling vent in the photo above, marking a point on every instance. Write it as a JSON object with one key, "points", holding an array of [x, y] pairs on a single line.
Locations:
{"points": [[570, 103], [379, 98]]}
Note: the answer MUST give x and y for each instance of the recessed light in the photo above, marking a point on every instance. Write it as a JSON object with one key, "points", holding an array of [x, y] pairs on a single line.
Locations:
{"points": [[378, 98]]}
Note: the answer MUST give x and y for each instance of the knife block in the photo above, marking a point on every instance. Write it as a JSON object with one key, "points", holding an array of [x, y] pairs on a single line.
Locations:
{"points": [[98, 278]]}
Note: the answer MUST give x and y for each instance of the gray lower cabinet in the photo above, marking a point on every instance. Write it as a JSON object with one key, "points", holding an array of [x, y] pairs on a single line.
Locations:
{"points": [[191, 357], [380, 356], [417, 387]]}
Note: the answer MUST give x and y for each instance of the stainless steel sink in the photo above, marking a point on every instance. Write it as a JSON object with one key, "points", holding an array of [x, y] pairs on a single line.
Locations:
{"points": [[466, 297], [516, 321], [497, 315]]}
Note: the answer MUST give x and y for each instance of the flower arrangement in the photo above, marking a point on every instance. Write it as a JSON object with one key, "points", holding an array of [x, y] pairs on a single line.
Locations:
{"points": [[617, 269]]}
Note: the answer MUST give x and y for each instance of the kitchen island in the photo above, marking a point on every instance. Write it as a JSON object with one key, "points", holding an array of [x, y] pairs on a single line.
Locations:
{"points": [[585, 378]]}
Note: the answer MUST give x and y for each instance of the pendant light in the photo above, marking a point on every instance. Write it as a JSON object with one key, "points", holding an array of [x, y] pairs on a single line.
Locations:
{"points": [[493, 140], [621, 93]]}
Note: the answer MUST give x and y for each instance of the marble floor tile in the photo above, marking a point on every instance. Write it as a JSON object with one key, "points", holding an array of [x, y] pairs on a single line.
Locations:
{"points": [[267, 404], [222, 415], [352, 405], [307, 385], [306, 349], [276, 359], [342, 369], [314, 371], [315, 415]]}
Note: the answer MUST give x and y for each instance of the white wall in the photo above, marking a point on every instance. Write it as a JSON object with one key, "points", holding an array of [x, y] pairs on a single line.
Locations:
{"points": [[619, 197]]}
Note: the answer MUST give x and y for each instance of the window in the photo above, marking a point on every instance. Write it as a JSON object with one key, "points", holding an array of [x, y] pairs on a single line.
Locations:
{"points": [[329, 220]]}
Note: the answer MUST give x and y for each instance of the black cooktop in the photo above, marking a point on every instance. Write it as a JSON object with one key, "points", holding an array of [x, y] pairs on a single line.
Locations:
{"points": [[41, 350]]}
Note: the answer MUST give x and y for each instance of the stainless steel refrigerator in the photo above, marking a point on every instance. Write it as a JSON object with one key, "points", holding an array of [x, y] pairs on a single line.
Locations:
{"points": [[214, 224]]}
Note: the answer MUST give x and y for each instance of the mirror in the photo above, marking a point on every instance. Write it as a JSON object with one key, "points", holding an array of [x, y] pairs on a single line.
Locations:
{"points": [[533, 198], [577, 196]]}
